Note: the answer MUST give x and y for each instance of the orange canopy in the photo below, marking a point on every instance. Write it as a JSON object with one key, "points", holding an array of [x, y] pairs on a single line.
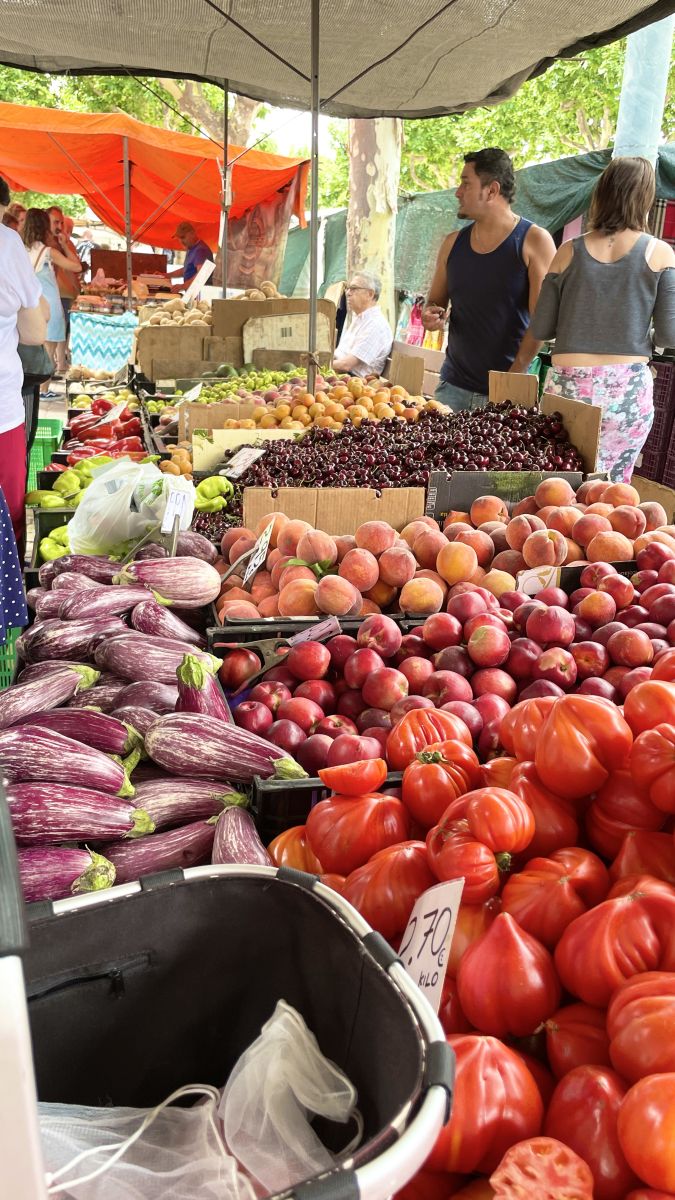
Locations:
{"points": [[174, 176]]}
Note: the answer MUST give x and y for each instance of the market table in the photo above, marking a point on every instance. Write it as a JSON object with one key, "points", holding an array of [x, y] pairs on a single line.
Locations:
{"points": [[101, 341]]}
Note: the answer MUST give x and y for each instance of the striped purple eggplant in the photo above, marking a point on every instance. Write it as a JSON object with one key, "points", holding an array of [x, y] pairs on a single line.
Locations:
{"points": [[237, 840], [102, 602], [187, 846], [139, 719], [137, 657], [184, 582], [170, 801], [29, 754], [206, 748], [158, 621], [67, 639], [195, 545], [25, 700], [33, 595], [54, 872], [44, 814], [106, 733], [101, 569], [159, 697], [70, 581], [152, 550], [40, 670], [199, 691], [104, 697], [49, 605]]}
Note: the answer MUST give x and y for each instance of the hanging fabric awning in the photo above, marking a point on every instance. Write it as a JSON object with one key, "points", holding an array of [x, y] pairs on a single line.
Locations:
{"points": [[174, 176]]}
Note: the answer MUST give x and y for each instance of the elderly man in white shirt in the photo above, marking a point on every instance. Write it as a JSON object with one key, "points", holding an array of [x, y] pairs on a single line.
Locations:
{"points": [[366, 341]]}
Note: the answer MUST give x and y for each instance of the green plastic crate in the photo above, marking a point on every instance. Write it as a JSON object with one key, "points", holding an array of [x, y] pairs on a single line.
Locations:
{"points": [[40, 455], [49, 427], [8, 658]]}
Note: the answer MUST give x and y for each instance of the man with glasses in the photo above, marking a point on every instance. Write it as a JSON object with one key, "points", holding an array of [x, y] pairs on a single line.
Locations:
{"points": [[366, 341]]}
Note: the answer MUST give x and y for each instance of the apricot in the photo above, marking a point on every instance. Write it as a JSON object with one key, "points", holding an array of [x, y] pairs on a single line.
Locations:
{"points": [[287, 542], [427, 573], [509, 560], [361, 568], [421, 596], [375, 536], [488, 508], [345, 542], [289, 573], [242, 544], [574, 552], [426, 547], [655, 514], [545, 548], [317, 547], [269, 607], [337, 596], [382, 593], [563, 519], [298, 599], [397, 566], [456, 562], [526, 507], [554, 491], [585, 529], [239, 610], [620, 493], [519, 529], [628, 520], [609, 547]]}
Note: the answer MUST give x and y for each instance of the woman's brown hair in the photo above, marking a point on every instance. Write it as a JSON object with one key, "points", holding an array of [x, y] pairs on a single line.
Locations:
{"points": [[623, 196], [36, 228]]}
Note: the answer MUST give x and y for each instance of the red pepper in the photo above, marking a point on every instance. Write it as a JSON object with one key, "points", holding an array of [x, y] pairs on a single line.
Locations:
{"points": [[55, 467], [129, 428], [130, 443], [99, 432], [127, 415], [134, 455], [83, 452], [101, 406]]}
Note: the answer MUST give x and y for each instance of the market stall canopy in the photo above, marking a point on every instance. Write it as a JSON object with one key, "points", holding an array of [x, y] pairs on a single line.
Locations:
{"points": [[391, 58], [174, 176]]}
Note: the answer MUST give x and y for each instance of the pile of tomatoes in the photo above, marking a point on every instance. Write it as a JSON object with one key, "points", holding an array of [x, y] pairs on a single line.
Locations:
{"points": [[559, 1000]]}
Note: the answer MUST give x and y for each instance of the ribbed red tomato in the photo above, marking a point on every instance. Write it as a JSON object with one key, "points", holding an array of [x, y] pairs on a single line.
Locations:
{"points": [[652, 765], [650, 704], [544, 1169], [498, 771], [645, 1128], [436, 777], [292, 849], [620, 807], [520, 728], [345, 832], [645, 854], [420, 728], [641, 1026], [555, 822], [640, 885], [507, 983], [496, 1103], [616, 940], [500, 819], [450, 1012], [472, 921], [583, 739], [549, 893], [583, 1114], [576, 1036], [387, 887], [647, 1194], [355, 778], [454, 853]]}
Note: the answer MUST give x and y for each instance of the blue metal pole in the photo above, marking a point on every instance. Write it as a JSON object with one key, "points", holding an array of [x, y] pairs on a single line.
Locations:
{"points": [[643, 91]]}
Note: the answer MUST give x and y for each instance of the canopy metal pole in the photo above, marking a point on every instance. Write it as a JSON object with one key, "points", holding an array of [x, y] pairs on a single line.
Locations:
{"points": [[314, 209], [127, 219], [226, 185]]}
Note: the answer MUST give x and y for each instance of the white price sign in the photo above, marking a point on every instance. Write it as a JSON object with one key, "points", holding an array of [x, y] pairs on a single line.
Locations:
{"points": [[426, 942], [317, 633], [175, 507], [201, 278], [113, 414], [535, 580], [191, 396], [259, 552], [241, 461]]}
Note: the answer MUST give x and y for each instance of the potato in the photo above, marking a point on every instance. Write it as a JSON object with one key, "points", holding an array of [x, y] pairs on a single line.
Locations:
{"points": [[255, 294]]}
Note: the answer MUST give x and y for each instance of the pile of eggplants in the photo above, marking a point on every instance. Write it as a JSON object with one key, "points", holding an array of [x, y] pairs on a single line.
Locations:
{"points": [[117, 745]]}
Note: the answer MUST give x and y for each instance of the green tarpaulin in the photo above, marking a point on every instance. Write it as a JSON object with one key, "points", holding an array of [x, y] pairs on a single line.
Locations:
{"points": [[550, 194]]}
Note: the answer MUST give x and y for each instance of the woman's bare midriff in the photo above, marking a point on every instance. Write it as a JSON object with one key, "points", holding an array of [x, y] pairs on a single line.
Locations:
{"points": [[594, 360]]}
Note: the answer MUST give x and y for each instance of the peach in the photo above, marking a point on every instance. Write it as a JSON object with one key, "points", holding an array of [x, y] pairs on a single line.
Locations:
{"points": [[452, 532], [345, 542], [609, 547], [574, 552], [585, 529], [239, 610], [232, 536], [545, 512], [426, 547], [279, 568], [262, 586], [456, 562], [421, 596], [520, 527], [600, 509], [272, 558], [361, 568], [591, 490], [497, 531], [563, 519], [628, 520], [382, 593], [478, 576], [655, 514], [482, 543], [287, 541], [241, 546], [397, 566], [526, 507], [509, 560], [369, 607], [415, 529], [454, 516], [545, 548], [375, 536], [269, 607], [235, 593], [298, 599], [488, 508], [280, 519], [429, 574], [620, 493], [317, 547], [288, 574], [233, 581], [554, 491], [498, 582], [337, 596]]}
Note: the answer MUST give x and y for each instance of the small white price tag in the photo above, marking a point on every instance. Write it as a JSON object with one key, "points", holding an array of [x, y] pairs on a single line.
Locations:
{"points": [[201, 278], [316, 633], [426, 942], [536, 579], [241, 461], [175, 506], [192, 394], [259, 553]]}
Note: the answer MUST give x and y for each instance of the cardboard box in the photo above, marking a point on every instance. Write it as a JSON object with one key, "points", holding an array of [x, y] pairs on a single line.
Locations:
{"points": [[178, 343], [211, 416], [656, 491], [335, 510], [414, 368], [288, 334], [230, 316], [224, 350], [210, 449], [177, 368]]}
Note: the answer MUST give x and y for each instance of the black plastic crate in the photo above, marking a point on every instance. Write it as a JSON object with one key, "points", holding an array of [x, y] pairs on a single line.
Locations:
{"points": [[278, 805], [240, 632]]}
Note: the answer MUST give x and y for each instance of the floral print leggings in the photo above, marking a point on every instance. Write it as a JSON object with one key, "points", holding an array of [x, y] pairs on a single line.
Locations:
{"points": [[624, 393]]}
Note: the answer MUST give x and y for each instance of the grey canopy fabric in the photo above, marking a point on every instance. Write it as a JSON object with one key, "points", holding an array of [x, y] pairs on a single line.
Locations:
{"points": [[406, 58]]}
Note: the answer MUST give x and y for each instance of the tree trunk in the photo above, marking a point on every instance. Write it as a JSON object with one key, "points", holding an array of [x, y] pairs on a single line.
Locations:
{"points": [[244, 113], [374, 173]]}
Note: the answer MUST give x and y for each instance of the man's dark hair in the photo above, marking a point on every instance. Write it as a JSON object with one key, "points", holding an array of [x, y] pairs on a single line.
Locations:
{"points": [[4, 192], [494, 166]]}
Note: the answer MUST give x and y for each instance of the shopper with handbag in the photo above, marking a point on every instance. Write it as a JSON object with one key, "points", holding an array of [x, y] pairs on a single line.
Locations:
{"points": [[36, 236]]}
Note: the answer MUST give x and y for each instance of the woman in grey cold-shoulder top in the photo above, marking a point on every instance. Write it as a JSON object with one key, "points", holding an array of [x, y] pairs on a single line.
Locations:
{"points": [[609, 297]]}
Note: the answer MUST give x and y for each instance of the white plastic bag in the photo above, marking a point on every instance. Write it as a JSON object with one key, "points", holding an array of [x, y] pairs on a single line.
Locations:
{"points": [[280, 1081], [125, 500]]}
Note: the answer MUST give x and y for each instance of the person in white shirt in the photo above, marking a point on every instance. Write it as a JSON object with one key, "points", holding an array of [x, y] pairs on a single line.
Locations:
{"points": [[366, 341]]}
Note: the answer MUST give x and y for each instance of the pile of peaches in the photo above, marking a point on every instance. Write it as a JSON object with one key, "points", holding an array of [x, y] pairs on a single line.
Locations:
{"points": [[355, 400], [309, 573]]}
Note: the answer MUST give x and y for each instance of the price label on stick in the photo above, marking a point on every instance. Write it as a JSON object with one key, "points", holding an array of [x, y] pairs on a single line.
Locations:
{"points": [[241, 461], [175, 507], [259, 553], [316, 633], [537, 578], [426, 942]]}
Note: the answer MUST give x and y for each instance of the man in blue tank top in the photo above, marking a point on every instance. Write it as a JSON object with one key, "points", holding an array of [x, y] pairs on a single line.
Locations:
{"points": [[490, 273]]}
